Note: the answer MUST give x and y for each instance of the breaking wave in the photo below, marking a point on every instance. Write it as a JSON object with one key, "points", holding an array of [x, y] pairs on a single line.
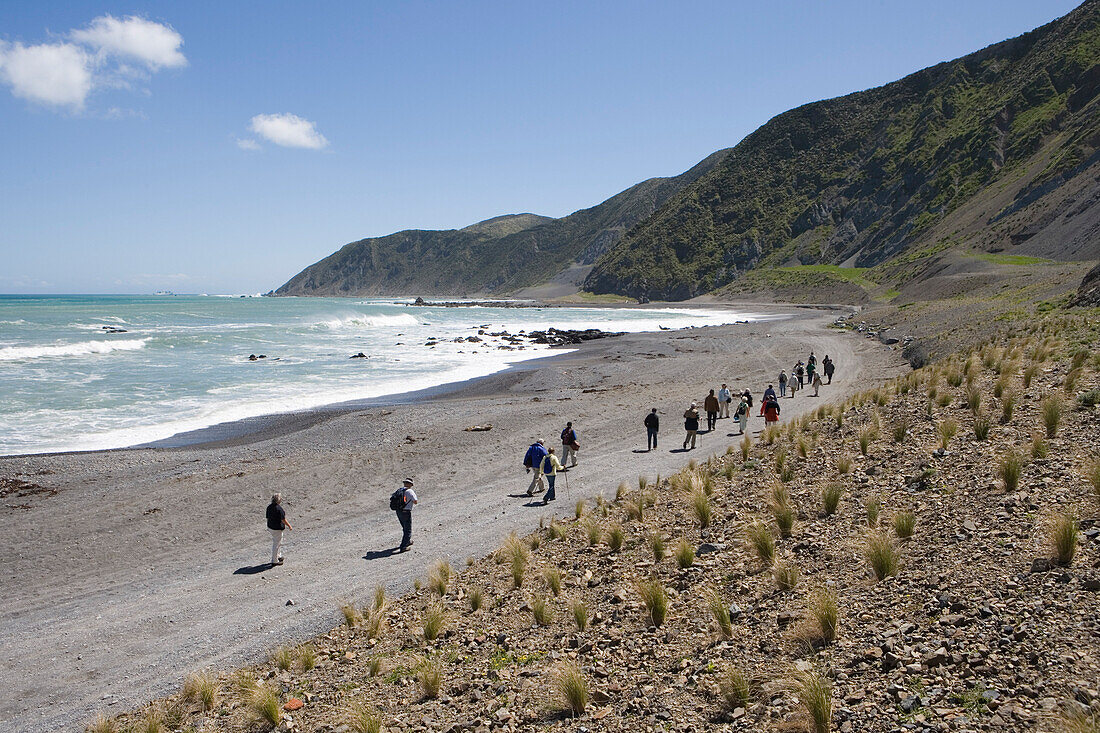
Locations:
{"points": [[83, 348], [358, 320]]}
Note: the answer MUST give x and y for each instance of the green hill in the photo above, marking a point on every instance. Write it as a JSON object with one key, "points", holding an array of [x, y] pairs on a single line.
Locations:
{"points": [[499, 255], [996, 151]]}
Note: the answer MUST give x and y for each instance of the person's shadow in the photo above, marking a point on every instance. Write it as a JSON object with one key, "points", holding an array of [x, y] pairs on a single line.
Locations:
{"points": [[254, 569], [379, 554]]}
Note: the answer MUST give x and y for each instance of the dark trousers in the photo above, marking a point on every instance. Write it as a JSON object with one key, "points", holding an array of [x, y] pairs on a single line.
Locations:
{"points": [[712, 418], [651, 439], [801, 381], [550, 495], [406, 518]]}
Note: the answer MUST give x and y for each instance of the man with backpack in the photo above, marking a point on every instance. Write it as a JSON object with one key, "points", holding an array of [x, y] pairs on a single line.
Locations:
{"points": [[652, 426], [569, 446], [276, 522], [402, 501], [550, 467], [691, 425], [532, 461]]}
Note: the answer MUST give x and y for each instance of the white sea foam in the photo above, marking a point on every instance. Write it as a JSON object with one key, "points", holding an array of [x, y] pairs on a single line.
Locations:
{"points": [[361, 320], [82, 348]]}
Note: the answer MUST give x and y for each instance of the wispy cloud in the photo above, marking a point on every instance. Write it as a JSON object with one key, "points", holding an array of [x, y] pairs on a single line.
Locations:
{"points": [[289, 131], [105, 54], [245, 143]]}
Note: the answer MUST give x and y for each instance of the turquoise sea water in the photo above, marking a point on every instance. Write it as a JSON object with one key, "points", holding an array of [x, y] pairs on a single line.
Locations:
{"points": [[182, 363]]}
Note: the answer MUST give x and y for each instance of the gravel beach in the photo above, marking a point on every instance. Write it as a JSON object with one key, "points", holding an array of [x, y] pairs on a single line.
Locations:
{"points": [[125, 570]]}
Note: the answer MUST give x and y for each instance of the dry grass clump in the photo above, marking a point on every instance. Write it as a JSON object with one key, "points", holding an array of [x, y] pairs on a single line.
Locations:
{"points": [[1029, 374], [746, 448], [552, 576], [1009, 470], [541, 611], [882, 555], [578, 508], [830, 497], [973, 399], [982, 424], [655, 598], [720, 612], [477, 599], [283, 658], [785, 574], [685, 554], [557, 530], [1052, 414], [761, 541], [734, 688], [351, 615], [307, 657], [635, 509], [1039, 446], [1078, 721], [900, 430], [615, 537], [435, 620], [592, 533], [1008, 405], [103, 724], [1092, 473], [151, 722], [904, 522], [580, 614], [701, 510], [946, 430], [657, 546], [201, 688], [1063, 537], [242, 684], [866, 437], [571, 688], [782, 510], [430, 677], [379, 597], [844, 464], [439, 577], [815, 692], [516, 554], [265, 705], [362, 719], [375, 667], [824, 608]]}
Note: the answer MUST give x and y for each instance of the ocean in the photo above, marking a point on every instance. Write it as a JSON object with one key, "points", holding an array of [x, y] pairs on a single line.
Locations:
{"points": [[98, 372]]}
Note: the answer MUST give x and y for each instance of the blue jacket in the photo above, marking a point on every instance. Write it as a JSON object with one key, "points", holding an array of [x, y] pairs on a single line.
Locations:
{"points": [[534, 456]]}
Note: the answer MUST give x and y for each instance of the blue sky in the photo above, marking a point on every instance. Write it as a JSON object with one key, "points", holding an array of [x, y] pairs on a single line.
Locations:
{"points": [[223, 146]]}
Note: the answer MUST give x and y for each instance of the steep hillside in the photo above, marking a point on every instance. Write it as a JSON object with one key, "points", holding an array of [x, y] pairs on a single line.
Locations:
{"points": [[499, 255], [996, 151]]}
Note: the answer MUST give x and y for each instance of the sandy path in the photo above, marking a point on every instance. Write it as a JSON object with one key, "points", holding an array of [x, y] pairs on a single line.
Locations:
{"points": [[123, 581]]}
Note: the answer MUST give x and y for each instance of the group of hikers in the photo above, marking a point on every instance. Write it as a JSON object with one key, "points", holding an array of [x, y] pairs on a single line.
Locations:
{"points": [[545, 464]]}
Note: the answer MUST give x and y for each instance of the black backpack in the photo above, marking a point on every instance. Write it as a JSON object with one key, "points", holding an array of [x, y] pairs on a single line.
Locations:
{"points": [[397, 500]]}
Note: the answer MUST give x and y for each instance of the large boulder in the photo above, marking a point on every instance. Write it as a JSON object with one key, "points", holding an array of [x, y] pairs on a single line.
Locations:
{"points": [[1088, 295]]}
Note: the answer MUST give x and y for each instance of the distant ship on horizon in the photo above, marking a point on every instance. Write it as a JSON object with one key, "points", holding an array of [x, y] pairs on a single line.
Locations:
{"points": [[163, 292]]}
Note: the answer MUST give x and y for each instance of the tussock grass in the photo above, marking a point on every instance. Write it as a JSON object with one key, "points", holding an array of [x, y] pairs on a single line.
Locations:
{"points": [[844, 464], [615, 537], [784, 515], [786, 474], [1008, 405], [815, 692], [944, 399], [657, 546], [362, 719], [701, 510], [375, 667], [946, 430], [734, 688], [720, 612], [201, 688], [516, 554], [635, 510], [982, 424], [430, 677], [761, 541], [1063, 537], [283, 658], [578, 509], [592, 533], [379, 597], [825, 609], [307, 657], [655, 598], [265, 706], [1039, 446], [1052, 414], [1009, 470], [151, 722], [477, 599], [557, 530], [685, 554], [580, 614], [434, 621], [552, 576], [904, 522], [974, 399], [103, 724], [1030, 373], [803, 447], [872, 506], [242, 684], [439, 577], [866, 437], [771, 434], [785, 574], [882, 555], [746, 448], [351, 615], [1092, 473], [1070, 385], [900, 430], [620, 492], [535, 540], [1078, 721], [571, 688], [541, 611], [830, 497]]}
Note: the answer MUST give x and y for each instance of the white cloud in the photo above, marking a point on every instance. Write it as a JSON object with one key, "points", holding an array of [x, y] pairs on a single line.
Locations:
{"points": [[247, 144], [154, 44], [288, 130], [58, 74], [64, 74]]}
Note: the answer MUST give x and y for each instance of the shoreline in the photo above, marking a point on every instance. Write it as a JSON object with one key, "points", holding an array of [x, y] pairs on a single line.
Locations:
{"points": [[164, 555]]}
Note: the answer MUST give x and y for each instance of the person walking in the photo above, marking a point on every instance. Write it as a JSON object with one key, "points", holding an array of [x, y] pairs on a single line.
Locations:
{"points": [[550, 468], [811, 360], [769, 394], [811, 371], [742, 414], [747, 396], [800, 372], [710, 404], [691, 425], [403, 501], [792, 383], [817, 384], [652, 426], [276, 522], [829, 367], [771, 412], [569, 446], [724, 400], [782, 383], [532, 461]]}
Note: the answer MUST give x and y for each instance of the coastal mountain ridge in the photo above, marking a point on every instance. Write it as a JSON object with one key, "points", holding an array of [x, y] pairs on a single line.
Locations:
{"points": [[947, 178]]}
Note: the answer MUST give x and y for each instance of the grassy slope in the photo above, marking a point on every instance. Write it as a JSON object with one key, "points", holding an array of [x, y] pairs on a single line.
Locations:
{"points": [[863, 178]]}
